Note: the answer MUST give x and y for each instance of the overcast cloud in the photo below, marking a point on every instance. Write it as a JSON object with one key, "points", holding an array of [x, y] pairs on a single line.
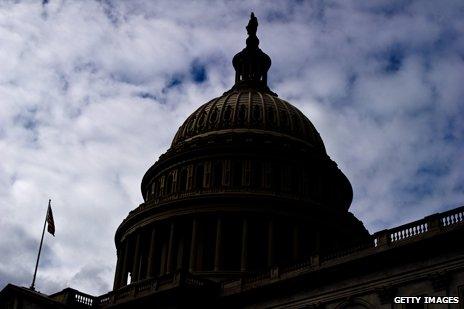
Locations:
{"points": [[92, 92]]}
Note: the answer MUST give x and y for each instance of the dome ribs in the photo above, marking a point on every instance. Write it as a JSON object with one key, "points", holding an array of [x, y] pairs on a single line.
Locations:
{"points": [[198, 114], [289, 114], [209, 112], [302, 126], [263, 110], [250, 103], [223, 108], [276, 114], [235, 109], [249, 109]]}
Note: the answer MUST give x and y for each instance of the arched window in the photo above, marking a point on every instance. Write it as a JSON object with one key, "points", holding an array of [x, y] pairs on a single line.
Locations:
{"points": [[227, 114], [256, 114], [242, 114]]}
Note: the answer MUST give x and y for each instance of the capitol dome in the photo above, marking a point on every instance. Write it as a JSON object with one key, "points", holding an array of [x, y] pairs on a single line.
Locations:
{"points": [[249, 109], [246, 185]]}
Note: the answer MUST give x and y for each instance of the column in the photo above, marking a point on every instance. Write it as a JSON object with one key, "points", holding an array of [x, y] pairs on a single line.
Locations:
{"points": [[170, 249], [125, 266], [246, 180], [207, 175], [226, 173], [317, 241], [151, 254], [193, 245], [117, 276], [136, 262], [180, 264], [218, 249], [243, 263], [270, 243], [296, 242]]}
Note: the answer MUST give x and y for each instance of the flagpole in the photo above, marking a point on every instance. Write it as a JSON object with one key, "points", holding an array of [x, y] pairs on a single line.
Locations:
{"points": [[40, 248]]}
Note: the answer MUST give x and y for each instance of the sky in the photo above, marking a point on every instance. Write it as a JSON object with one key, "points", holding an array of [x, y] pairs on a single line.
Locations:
{"points": [[92, 93]]}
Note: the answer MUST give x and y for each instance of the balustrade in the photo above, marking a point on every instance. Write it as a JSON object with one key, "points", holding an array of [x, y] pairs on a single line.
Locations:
{"points": [[83, 299], [453, 217]]}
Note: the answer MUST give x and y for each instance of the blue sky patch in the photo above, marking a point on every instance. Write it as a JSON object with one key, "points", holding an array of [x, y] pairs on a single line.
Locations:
{"points": [[198, 72]]}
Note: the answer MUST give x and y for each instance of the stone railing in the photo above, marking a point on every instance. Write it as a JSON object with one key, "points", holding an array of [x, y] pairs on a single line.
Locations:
{"points": [[74, 298], [84, 299], [348, 251], [452, 217], [151, 285], [426, 226]]}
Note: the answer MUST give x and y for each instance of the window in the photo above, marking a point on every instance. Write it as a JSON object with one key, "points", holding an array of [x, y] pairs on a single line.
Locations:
{"points": [[183, 180], [217, 174], [169, 184], [267, 180], [207, 174], [162, 183], [199, 174]]}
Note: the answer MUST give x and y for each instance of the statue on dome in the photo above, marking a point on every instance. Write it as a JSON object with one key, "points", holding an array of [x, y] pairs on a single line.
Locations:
{"points": [[252, 26]]}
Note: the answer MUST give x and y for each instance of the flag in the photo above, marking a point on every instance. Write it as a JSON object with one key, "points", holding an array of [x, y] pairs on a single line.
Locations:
{"points": [[50, 221]]}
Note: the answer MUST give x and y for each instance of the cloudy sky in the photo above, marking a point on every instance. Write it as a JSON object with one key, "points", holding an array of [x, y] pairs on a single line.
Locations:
{"points": [[92, 92]]}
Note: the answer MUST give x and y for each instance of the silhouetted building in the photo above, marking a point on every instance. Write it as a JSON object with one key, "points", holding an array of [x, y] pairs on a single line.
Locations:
{"points": [[246, 209]]}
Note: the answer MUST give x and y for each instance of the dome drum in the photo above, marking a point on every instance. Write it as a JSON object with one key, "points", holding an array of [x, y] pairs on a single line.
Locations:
{"points": [[319, 181]]}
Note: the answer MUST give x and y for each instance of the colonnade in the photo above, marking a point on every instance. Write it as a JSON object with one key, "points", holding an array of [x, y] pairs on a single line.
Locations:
{"points": [[207, 244]]}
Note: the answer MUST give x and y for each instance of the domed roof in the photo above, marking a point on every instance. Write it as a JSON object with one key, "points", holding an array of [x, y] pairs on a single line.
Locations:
{"points": [[248, 110]]}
